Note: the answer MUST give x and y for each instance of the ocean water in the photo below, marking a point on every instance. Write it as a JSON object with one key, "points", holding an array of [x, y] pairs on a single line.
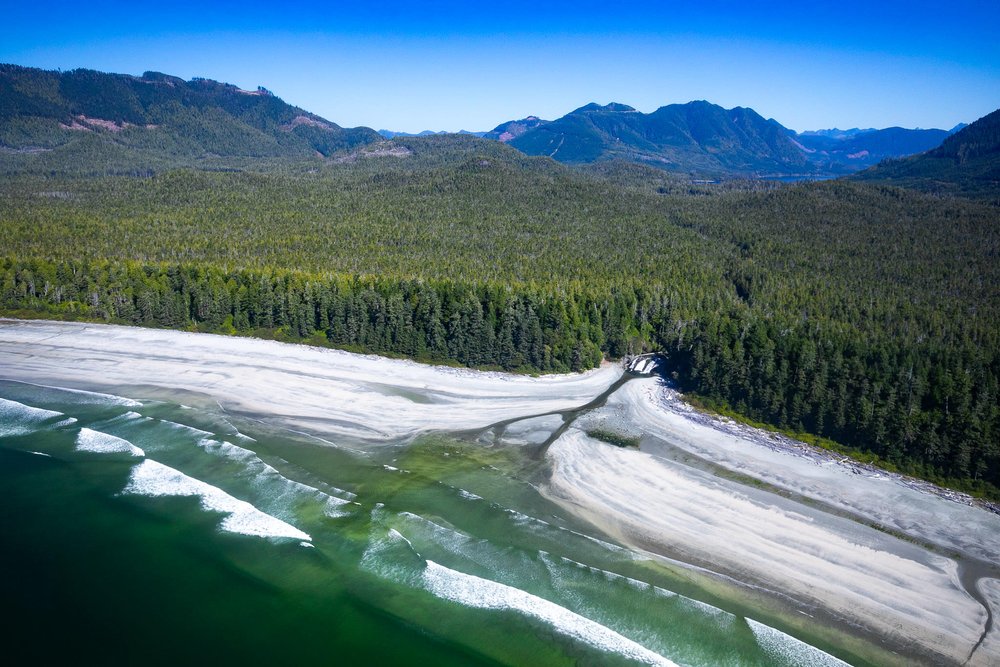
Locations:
{"points": [[144, 531]]}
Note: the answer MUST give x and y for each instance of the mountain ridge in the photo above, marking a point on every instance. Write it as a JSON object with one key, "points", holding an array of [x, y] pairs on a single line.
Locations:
{"points": [[89, 120], [50, 118], [698, 136], [966, 163]]}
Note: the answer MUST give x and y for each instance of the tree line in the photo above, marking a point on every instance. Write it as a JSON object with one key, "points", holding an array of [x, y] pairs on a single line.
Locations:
{"points": [[929, 407]]}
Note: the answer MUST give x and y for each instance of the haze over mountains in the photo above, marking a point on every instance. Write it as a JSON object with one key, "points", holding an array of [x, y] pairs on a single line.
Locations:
{"points": [[123, 123], [966, 163], [699, 137]]}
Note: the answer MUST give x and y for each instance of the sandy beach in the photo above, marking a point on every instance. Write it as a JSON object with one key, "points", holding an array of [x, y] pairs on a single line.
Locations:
{"points": [[911, 572], [362, 397]]}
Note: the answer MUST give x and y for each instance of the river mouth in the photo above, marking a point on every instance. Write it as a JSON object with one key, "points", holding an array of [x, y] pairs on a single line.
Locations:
{"points": [[444, 545], [469, 515]]}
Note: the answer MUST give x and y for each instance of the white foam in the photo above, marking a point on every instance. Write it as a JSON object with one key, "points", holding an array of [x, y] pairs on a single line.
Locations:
{"points": [[184, 427], [485, 594], [643, 366], [125, 417], [88, 440], [335, 507], [468, 495], [520, 518], [607, 574], [229, 450], [95, 396], [639, 585], [790, 650], [276, 486], [20, 419], [151, 478]]}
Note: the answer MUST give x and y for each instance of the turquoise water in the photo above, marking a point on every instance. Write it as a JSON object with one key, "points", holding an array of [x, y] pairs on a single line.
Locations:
{"points": [[144, 531]]}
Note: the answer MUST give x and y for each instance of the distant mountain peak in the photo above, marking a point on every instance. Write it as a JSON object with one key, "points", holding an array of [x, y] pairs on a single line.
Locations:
{"points": [[392, 134], [705, 138], [512, 129], [836, 133], [697, 137], [612, 106]]}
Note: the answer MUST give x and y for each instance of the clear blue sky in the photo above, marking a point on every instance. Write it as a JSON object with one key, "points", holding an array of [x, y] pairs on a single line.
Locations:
{"points": [[456, 65]]}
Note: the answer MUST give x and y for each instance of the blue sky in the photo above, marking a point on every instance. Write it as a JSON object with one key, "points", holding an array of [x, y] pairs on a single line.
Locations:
{"points": [[456, 65]]}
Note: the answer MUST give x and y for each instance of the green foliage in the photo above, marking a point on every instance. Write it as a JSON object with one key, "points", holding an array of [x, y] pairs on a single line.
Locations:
{"points": [[967, 164], [696, 137], [864, 314], [85, 122], [433, 320], [613, 438]]}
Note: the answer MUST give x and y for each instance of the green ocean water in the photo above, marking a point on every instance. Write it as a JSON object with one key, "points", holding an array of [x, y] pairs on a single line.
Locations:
{"points": [[227, 541]]}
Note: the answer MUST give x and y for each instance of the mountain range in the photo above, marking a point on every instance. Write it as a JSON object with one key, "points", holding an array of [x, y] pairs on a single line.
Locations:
{"points": [[966, 163], [120, 121], [704, 138], [84, 120], [389, 134], [696, 137]]}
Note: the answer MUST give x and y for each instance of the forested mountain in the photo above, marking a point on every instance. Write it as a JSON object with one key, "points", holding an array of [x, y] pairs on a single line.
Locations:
{"points": [[862, 149], [966, 163], [50, 121], [512, 129], [705, 139], [865, 314], [859, 312], [695, 137], [93, 122]]}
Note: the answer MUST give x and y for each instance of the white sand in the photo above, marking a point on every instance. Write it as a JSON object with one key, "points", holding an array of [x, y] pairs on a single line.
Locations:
{"points": [[337, 393], [990, 649], [927, 518], [856, 574], [864, 577], [653, 499]]}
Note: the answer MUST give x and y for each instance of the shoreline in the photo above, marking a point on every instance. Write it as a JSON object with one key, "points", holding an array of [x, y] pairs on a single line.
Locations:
{"points": [[823, 555], [357, 397], [780, 442], [886, 557]]}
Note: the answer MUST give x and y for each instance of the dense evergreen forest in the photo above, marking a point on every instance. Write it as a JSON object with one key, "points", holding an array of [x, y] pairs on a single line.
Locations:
{"points": [[862, 313], [966, 164], [95, 123]]}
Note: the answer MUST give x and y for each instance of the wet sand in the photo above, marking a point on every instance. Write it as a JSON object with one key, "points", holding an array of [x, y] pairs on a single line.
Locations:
{"points": [[362, 397], [870, 551]]}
